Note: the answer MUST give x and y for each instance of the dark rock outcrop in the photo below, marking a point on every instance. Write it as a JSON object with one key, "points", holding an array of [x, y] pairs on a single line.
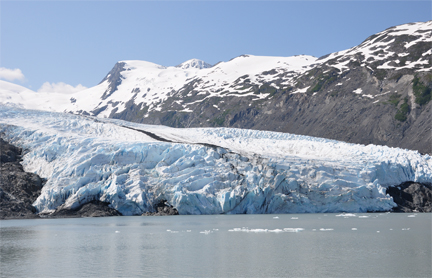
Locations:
{"points": [[412, 197], [114, 78], [18, 189], [92, 209], [163, 208]]}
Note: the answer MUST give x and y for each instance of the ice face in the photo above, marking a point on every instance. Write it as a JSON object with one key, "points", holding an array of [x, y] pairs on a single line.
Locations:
{"points": [[230, 171]]}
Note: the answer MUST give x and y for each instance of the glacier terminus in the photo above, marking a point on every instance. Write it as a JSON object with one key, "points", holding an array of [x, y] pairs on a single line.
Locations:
{"points": [[134, 166]]}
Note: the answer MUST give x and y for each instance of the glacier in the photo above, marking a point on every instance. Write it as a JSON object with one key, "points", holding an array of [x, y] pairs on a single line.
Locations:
{"points": [[203, 170]]}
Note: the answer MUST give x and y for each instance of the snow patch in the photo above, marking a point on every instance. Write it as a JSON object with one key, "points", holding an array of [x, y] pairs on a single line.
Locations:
{"points": [[301, 91], [358, 91]]}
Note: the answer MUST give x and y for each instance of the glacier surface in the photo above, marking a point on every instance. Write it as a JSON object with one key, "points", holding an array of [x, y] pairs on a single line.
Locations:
{"points": [[203, 170]]}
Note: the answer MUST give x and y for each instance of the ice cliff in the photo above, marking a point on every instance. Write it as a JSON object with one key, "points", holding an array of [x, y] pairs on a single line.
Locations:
{"points": [[203, 170]]}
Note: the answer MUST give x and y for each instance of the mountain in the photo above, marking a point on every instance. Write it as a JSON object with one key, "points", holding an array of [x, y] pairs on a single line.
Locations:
{"points": [[133, 168], [143, 91], [378, 92], [194, 63], [19, 96]]}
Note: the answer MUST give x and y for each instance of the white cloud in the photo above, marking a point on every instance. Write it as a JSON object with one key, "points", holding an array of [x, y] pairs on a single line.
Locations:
{"points": [[11, 74], [61, 88]]}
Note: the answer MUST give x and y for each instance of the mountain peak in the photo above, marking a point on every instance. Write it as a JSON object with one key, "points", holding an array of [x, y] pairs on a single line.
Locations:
{"points": [[194, 63]]}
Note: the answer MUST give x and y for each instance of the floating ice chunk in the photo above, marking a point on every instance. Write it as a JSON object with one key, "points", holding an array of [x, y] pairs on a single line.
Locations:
{"points": [[206, 232], [285, 230], [294, 217], [117, 232], [412, 215], [330, 229], [276, 231], [276, 217], [354, 229], [363, 216], [346, 215], [293, 230], [258, 230]]}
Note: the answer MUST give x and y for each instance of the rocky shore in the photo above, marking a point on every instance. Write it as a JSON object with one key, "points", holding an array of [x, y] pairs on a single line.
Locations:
{"points": [[412, 197]]}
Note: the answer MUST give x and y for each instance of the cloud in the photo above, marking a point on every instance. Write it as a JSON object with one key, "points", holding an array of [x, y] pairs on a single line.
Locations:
{"points": [[11, 74], [61, 88]]}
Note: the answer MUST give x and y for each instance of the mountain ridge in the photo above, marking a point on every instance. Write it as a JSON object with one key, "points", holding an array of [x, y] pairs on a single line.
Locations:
{"points": [[377, 92]]}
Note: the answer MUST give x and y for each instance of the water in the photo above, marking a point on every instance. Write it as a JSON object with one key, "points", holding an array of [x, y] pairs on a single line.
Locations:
{"points": [[327, 245]]}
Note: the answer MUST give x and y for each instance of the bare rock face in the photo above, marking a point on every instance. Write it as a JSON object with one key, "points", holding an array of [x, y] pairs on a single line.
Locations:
{"points": [[92, 209], [412, 197], [18, 189], [163, 208]]}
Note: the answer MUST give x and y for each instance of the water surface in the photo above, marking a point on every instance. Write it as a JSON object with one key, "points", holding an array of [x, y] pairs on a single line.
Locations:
{"points": [[290, 245]]}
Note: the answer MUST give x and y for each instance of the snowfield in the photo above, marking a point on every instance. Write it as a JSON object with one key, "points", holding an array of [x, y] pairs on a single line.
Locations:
{"points": [[203, 170]]}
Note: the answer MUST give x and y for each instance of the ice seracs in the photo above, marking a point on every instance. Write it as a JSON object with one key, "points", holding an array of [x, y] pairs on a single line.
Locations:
{"points": [[203, 170]]}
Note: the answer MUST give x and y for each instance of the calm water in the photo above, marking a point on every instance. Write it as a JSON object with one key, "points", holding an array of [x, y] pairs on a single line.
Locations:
{"points": [[327, 245]]}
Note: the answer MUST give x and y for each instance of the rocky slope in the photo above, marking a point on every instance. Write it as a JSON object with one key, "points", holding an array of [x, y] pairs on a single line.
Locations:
{"points": [[18, 189], [412, 196]]}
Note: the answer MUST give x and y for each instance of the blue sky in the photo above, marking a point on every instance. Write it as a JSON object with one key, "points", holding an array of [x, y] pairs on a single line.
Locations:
{"points": [[78, 42]]}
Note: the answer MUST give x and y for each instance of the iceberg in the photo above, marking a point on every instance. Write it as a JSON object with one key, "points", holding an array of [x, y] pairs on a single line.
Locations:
{"points": [[203, 170]]}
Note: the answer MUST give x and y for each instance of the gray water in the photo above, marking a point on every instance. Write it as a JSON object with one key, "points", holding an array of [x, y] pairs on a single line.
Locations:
{"points": [[327, 245]]}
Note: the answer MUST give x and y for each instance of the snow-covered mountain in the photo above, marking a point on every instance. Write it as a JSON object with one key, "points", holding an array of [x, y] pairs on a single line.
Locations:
{"points": [[194, 63], [18, 96], [151, 87], [401, 47], [377, 92], [134, 167]]}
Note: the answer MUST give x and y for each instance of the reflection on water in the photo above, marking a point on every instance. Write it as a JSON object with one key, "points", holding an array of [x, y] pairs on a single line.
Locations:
{"points": [[13, 250], [317, 245]]}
